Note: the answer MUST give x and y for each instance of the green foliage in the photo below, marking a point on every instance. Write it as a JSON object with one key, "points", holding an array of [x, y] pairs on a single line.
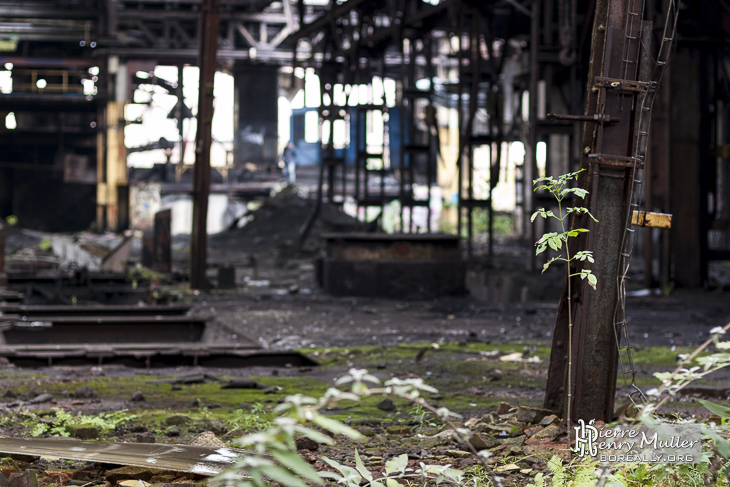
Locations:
{"points": [[574, 474], [273, 455], [558, 187], [64, 422], [503, 223], [258, 418], [45, 244], [141, 273]]}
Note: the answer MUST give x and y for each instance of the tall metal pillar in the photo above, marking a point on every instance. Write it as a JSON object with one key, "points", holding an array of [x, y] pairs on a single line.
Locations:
{"points": [[609, 152], [209, 19]]}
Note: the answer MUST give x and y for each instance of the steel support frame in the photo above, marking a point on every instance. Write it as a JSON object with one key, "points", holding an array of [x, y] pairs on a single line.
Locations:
{"points": [[595, 351], [209, 22]]}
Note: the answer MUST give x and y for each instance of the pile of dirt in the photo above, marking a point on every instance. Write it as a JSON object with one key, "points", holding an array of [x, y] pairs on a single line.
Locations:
{"points": [[278, 222]]}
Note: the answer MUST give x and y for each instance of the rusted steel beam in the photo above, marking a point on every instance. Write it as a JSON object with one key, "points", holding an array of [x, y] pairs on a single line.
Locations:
{"points": [[93, 310], [107, 329], [607, 176], [209, 20], [162, 256], [3, 275], [148, 355]]}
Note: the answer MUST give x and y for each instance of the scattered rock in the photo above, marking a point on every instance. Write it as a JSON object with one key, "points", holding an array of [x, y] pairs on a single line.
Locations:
{"points": [[86, 433], [243, 384], [172, 431], [176, 420], [176, 387], [85, 474], [146, 437], [547, 450], [552, 431], [399, 430], [23, 458], [40, 399], [208, 438], [549, 419], [85, 392], [10, 394], [508, 468], [366, 431], [138, 397], [29, 478], [163, 479], [482, 442], [134, 483], [216, 427], [128, 473], [304, 443], [458, 453], [531, 415], [503, 408], [494, 375], [516, 441], [386, 405]]}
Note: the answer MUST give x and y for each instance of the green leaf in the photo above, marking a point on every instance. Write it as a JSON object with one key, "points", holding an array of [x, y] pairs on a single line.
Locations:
{"points": [[314, 435], [392, 483], [546, 237], [555, 243], [361, 467], [716, 408], [347, 472], [397, 464], [723, 447], [296, 464], [281, 475], [540, 249], [544, 178], [592, 280], [335, 426]]}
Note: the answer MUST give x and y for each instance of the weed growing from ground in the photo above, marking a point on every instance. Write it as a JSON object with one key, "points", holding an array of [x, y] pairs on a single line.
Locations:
{"points": [[65, 423], [558, 188]]}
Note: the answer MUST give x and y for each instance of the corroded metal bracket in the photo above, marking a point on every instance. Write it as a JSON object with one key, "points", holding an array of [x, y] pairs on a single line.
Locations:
{"points": [[625, 84], [650, 219]]}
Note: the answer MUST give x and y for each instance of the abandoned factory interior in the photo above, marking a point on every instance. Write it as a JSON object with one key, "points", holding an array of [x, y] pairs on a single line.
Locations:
{"points": [[252, 243]]}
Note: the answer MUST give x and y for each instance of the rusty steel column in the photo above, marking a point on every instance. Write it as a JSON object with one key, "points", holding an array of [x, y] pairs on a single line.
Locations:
{"points": [[3, 275], [162, 255], [208, 32], [606, 154]]}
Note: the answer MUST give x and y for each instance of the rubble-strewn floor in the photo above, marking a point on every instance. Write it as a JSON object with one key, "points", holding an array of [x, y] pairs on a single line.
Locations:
{"points": [[478, 354]]}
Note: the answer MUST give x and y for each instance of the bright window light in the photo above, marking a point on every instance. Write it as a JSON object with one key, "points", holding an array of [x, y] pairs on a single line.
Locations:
{"points": [[10, 122], [311, 127]]}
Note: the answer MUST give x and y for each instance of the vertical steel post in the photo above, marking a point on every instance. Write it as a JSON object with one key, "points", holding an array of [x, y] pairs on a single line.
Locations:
{"points": [[208, 48], [595, 352]]}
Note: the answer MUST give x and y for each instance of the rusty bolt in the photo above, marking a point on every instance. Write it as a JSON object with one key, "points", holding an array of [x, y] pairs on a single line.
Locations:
{"points": [[601, 28], [586, 150]]}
